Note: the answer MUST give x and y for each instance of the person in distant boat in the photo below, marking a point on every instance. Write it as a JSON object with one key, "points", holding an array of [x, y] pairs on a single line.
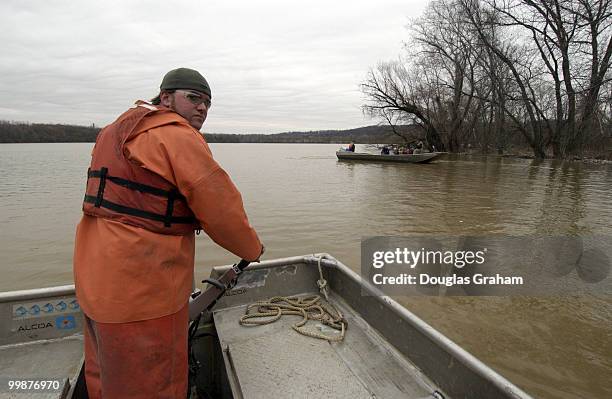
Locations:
{"points": [[152, 183], [351, 147], [419, 148], [384, 150]]}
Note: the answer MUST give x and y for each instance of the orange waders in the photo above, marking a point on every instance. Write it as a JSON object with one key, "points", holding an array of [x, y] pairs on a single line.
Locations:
{"points": [[141, 359]]}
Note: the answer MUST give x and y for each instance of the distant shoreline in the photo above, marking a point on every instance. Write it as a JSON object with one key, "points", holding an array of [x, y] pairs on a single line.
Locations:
{"points": [[13, 132], [21, 133]]}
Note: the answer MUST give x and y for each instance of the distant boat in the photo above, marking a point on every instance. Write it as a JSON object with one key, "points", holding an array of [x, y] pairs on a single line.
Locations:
{"points": [[409, 158]]}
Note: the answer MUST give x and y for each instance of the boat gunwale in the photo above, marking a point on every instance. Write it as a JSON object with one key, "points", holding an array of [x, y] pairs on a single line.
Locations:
{"points": [[34, 293]]}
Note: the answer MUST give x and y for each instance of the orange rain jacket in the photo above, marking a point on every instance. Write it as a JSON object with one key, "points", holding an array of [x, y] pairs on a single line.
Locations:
{"points": [[125, 273]]}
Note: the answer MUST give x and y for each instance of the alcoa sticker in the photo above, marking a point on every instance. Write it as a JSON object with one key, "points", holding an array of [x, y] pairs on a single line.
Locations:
{"points": [[58, 306], [35, 326]]}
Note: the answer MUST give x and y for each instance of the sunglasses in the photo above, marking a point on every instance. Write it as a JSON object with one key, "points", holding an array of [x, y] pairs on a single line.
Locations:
{"points": [[195, 99]]}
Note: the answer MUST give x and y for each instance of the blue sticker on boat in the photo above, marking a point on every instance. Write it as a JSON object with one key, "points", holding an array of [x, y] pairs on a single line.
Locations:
{"points": [[38, 309], [65, 323], [20, 311]]}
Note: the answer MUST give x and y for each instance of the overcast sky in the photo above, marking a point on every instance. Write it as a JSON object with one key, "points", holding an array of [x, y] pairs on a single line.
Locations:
{"points": [[273, 66]]}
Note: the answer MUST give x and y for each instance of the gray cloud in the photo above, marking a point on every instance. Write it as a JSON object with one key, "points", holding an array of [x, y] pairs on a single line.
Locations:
{"points": [[273, 65]]}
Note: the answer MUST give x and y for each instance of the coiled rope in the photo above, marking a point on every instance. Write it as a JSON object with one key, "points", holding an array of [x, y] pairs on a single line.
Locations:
{"points": [[310, 308]]}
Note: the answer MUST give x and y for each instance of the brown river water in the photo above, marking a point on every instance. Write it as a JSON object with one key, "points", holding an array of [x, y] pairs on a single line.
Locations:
{"points": [[302, 200]]}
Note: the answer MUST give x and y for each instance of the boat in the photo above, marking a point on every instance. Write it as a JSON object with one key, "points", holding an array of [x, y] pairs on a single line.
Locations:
{"points": [[407, 158], [41, 341], [386, 351]]}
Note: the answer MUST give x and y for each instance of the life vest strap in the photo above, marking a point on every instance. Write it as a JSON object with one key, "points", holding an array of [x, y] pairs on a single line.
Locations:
{"points": [[167, 220], [171, 197], [132, 185], [101, 186]]}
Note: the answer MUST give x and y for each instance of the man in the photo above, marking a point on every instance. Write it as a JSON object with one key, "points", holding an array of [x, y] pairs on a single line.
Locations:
{"points": [[152, 182]]}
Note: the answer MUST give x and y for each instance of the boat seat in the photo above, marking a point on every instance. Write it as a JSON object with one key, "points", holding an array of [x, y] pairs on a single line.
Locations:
{"points": [[274, 361]]}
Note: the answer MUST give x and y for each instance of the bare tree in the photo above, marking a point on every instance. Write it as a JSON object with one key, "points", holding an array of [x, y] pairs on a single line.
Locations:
{"points": [[567, 37], [440, 39], [522, 107], [436, 87], [393, 91], [598, 40], [479, 70]]}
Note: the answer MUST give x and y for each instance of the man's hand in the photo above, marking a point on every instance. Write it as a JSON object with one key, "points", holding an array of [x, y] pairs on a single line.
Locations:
{"points": [[263, 249]]}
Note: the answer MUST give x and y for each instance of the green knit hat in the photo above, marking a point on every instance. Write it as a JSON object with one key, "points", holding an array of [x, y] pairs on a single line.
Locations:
{"points": [[184, 78]]}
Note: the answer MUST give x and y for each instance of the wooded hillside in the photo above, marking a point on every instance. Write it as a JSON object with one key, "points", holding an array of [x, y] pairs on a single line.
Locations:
{"points": [[12, 132]]}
